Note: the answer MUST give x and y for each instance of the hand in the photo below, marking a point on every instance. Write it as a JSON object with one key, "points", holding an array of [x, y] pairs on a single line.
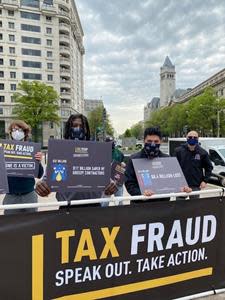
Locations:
{"points": [[186, 189], [42, 189], [38, 156], [123, 164], [148, 193], [203, 185], [110, 189]]}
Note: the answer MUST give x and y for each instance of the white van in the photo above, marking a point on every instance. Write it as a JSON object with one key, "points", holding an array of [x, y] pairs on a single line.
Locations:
{"points": [[216, 149]]}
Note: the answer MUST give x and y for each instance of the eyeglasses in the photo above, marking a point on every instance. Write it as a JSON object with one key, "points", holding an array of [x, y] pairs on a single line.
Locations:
{"points": [[17, 129], [192, 137]]}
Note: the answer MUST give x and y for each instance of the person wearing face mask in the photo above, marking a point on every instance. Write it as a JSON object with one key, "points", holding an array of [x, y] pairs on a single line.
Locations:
{"points": [[77, 128], [151, 150], [195, 162], [21, 189]]}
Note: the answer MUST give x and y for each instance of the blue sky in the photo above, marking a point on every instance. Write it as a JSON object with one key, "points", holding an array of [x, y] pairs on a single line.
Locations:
{"points": [[126, 42]]}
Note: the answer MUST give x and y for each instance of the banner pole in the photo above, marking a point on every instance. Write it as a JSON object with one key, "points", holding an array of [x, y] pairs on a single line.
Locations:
{"points": [[104, 200]]}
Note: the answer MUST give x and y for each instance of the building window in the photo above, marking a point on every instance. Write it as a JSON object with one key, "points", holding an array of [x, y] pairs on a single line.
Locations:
{"points": [[11, 38], [0, 11], [12, 62], [2, 86], [31, 52], [30, 3], [1, 49], [28, 15], [28, 27], [12, 50], [49, 30], [48, 2], [48, 18], [0, 23], [11, 25], [32, 76], [1, 111], [12, 98], [31, 64], [1, 74], [2, 98], [1, 61], [1, 36], [51, 125], [49, 42], [49, 66], [49, 53], [11, 13], [30, 40], [13, 75], [50, 77], [13, 87]]}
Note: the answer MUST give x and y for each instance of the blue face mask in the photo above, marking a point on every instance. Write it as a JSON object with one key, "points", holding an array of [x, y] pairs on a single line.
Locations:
{"points": [[192, 142], [77, 133], [152, 149]]}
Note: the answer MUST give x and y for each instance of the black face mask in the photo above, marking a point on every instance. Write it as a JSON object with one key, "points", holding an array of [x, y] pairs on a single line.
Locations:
{"points": [[152, 149], [77, 133]]}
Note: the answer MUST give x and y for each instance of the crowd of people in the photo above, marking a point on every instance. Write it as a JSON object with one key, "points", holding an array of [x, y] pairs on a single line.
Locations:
{"points": [[194, 162]]}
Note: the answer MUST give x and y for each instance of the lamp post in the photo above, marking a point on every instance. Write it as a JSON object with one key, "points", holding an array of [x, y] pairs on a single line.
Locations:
{"points": [[103, 122]]}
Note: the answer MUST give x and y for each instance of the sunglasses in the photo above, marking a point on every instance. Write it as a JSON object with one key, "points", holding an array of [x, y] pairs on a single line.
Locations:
{"points": [[192, 137]]}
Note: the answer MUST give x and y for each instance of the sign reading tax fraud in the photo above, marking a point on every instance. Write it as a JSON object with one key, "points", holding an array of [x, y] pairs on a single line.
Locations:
{"points": [[19, 158]]}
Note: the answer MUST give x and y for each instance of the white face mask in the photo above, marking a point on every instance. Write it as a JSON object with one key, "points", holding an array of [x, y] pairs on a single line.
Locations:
{"points": [[18, 135]]}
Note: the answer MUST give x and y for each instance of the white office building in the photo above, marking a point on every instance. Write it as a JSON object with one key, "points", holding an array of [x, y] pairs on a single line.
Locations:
{"points": [[41, 40]]}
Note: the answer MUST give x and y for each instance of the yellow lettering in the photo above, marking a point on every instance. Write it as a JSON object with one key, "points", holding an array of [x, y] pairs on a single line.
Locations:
{"points": [[65, 235], [110, 242], [85, 239]]}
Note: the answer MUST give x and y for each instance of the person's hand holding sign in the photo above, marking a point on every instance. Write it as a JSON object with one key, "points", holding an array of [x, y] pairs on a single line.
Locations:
{"points": [[148, 193], [110, 189], [38, 156], [42, 189], [186, 189]]}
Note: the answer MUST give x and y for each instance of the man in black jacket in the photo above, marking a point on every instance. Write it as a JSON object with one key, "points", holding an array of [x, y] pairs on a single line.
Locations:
{"points": [[151, 150], [194, 162]]}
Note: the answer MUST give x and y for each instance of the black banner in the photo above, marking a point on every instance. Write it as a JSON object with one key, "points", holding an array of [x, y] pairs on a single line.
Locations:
{"points": [[160, 251], [3, 176], [78, 165], [19, 158]]}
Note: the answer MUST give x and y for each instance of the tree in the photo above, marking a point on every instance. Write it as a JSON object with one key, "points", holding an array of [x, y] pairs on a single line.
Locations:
{"points": [[127, 133], [95, 119], [137, 131], [36, 103]]}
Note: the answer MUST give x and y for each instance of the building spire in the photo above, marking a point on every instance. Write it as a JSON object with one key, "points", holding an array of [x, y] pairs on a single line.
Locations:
{"points": [[168, 63]]}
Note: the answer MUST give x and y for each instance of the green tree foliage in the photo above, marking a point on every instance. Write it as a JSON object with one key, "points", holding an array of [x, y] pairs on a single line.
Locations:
{"points": [[95, 119], [137, 131], [200, 113], [36, 103], [127, 133]]}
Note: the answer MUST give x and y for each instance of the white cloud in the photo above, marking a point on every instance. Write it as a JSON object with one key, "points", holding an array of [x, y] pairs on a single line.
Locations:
{"points": [[126, 42]]}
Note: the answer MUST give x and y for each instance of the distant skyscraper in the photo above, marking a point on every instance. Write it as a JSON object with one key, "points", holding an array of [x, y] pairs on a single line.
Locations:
{"points": [[167, 82]]}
